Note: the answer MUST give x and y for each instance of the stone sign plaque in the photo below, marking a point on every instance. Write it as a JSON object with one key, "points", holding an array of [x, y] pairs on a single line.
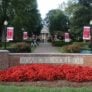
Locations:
{"points": [[52, 59]]}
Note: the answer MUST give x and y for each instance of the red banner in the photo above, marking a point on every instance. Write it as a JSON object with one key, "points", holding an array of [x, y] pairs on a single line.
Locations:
{"points": [[25, 35], [86, 33], [67, 38], [10, 32]]}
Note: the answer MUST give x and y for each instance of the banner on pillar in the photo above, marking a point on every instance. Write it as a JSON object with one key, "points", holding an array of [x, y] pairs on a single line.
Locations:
{"points": [[25, 35], [86, 33], [67, 38], [10, 33]]}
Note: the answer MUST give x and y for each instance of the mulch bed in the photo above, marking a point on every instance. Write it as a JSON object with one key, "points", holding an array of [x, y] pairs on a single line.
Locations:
{"points": [[57, 83]]}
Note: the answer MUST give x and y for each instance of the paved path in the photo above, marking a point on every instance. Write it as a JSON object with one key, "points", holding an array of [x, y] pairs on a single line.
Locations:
{"points": [[45, 48]]}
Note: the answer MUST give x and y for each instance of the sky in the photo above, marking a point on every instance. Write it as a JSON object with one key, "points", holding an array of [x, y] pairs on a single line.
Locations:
{"points": [[45, 5]]}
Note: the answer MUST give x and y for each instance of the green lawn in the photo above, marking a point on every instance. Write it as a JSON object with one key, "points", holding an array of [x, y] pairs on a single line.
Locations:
{"points": [[42, 89]]}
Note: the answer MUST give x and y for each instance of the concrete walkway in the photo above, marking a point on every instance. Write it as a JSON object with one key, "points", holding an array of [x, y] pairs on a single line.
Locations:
{"points": [[45, 48]]}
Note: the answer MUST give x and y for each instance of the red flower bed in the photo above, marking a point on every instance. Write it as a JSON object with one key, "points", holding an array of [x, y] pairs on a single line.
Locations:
{"points": [[35, 72]]}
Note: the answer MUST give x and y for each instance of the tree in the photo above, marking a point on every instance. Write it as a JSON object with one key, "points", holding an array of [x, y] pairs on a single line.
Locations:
{"points": [[21, 14], [4, 15], [80, 19], [27, 16], [85, 2], [79, 16], [56, 21], [70, 8]]}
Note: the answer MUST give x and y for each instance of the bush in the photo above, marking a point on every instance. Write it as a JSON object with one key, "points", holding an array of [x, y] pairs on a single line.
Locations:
{"points": [[73, 48], [87, 46], [60, 43], [20, 47], [49, 40]]}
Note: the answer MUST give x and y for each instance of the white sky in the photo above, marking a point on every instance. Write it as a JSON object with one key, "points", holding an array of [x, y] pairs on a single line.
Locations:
{"points": [[45, 5]]}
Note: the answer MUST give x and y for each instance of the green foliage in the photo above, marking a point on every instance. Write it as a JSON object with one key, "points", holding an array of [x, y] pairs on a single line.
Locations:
{"points": [[56, 21], [60, 43], [73, 48], [87, 45], [57, 43], [79, 20], [79, 16], [27, 17], [20, 47], [20, 14], [85, 2], [71, 7]]}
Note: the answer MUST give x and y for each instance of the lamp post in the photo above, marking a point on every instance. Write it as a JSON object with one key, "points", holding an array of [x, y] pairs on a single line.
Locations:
{"points": [[91, 27], [22, 29], [67, 24], [5, 29], [22, 33], [91, 22], [90, 32]]}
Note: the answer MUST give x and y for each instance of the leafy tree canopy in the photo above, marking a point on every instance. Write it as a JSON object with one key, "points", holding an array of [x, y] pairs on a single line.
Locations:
{"points": [[22, 14], [56, 20]]}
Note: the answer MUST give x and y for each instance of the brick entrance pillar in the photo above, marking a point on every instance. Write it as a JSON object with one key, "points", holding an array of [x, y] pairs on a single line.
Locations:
{"points": [[4, 59]]}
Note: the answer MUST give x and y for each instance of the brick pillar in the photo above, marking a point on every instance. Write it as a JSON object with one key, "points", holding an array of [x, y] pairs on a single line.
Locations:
{"points": [[4, 59]]}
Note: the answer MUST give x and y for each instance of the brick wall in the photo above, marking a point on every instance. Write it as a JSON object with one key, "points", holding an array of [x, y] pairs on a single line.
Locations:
{"points": [[12, 59], [4, 59]]}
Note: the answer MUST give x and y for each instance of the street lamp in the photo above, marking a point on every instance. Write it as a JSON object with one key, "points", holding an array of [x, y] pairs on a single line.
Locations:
{"points": [[90, 22], [22, 29], [5, 29], [90, 32], [67, 24], [91, 29], [5, 22]]}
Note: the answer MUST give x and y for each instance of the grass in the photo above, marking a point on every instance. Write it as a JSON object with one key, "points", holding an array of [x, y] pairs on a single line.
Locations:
{"points": [[42, 89]]}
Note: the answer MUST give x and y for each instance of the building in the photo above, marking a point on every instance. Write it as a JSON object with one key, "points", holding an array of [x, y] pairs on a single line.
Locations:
{"points": [[45, 34]]}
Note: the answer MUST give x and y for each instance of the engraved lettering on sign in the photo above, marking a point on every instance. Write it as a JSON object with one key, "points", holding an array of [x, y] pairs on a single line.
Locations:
{"points": [[51, 59]]}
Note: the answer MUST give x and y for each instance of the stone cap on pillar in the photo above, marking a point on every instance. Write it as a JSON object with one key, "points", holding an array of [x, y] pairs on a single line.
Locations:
{"points": [[4, 51]]}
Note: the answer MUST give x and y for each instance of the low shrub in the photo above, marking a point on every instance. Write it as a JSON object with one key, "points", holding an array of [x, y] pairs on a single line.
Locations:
{"points": [[20, 47], [73, 48], [60, 43]]}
